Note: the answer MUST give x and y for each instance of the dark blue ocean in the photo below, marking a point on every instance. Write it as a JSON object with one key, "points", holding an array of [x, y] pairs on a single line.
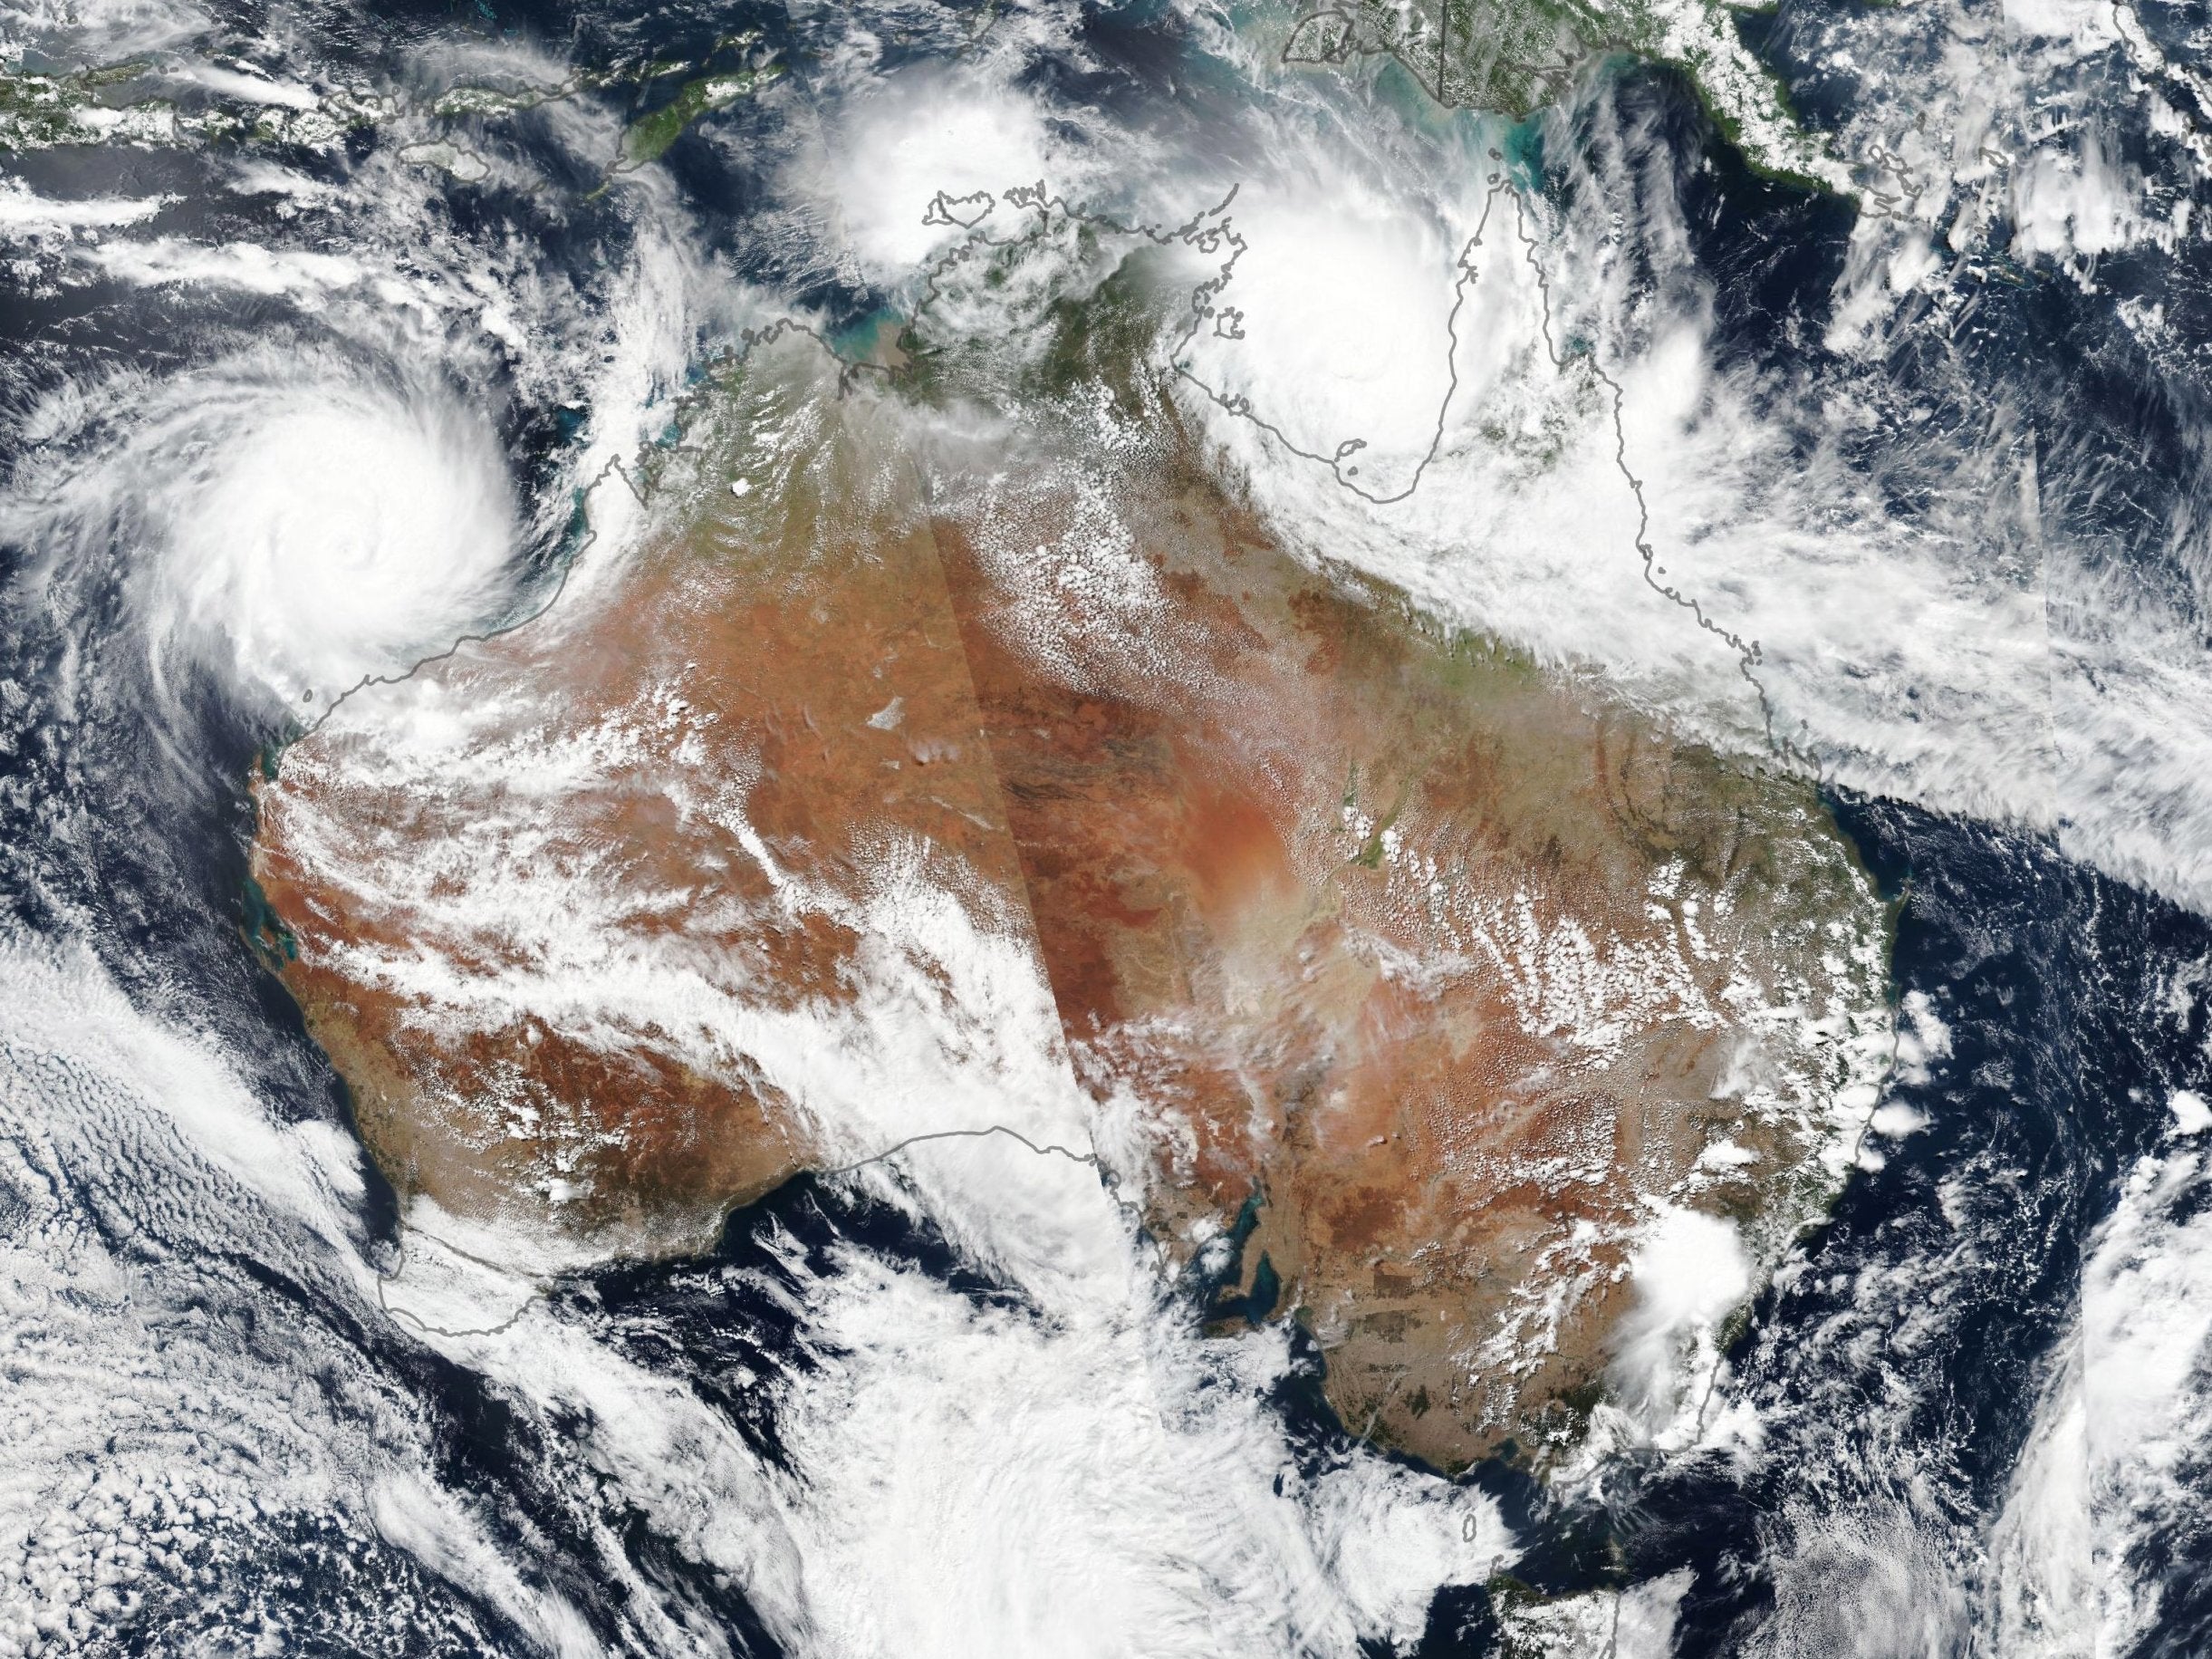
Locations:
{"points": [[1897, 1373]]}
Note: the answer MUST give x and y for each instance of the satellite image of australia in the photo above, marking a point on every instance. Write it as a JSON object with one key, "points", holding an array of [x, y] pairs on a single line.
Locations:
{"points": [[1106, 829]]}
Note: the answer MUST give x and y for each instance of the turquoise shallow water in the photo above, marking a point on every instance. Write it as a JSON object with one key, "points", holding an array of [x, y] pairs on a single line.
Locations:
{"points": [[1898, 1375]]}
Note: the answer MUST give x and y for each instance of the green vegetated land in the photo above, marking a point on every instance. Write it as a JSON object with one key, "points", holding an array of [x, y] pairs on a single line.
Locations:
{"points": [[1511, 57]]}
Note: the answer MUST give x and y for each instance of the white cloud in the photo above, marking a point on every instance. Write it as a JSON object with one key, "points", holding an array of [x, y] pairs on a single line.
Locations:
{"points": [[1690, 1271], [25, 216], [2114, 1460], [322, 529], [892, 148]]}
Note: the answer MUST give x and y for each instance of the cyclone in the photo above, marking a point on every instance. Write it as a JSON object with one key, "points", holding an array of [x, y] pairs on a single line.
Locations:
{"points": [[1066, 828]]}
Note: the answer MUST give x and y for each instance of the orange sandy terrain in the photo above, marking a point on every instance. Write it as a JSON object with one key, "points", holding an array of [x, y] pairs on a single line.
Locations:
{"points": [[1449, 962], [680, 775], [1455, 969]]}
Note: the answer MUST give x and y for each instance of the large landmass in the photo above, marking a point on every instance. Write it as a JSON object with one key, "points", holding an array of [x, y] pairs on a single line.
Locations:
{"points": [[1429, 977], [1509, 57], [1513, 57]]}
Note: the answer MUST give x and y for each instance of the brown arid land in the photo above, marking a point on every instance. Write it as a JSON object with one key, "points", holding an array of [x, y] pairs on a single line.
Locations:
{"points": [[1443, 973]]}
